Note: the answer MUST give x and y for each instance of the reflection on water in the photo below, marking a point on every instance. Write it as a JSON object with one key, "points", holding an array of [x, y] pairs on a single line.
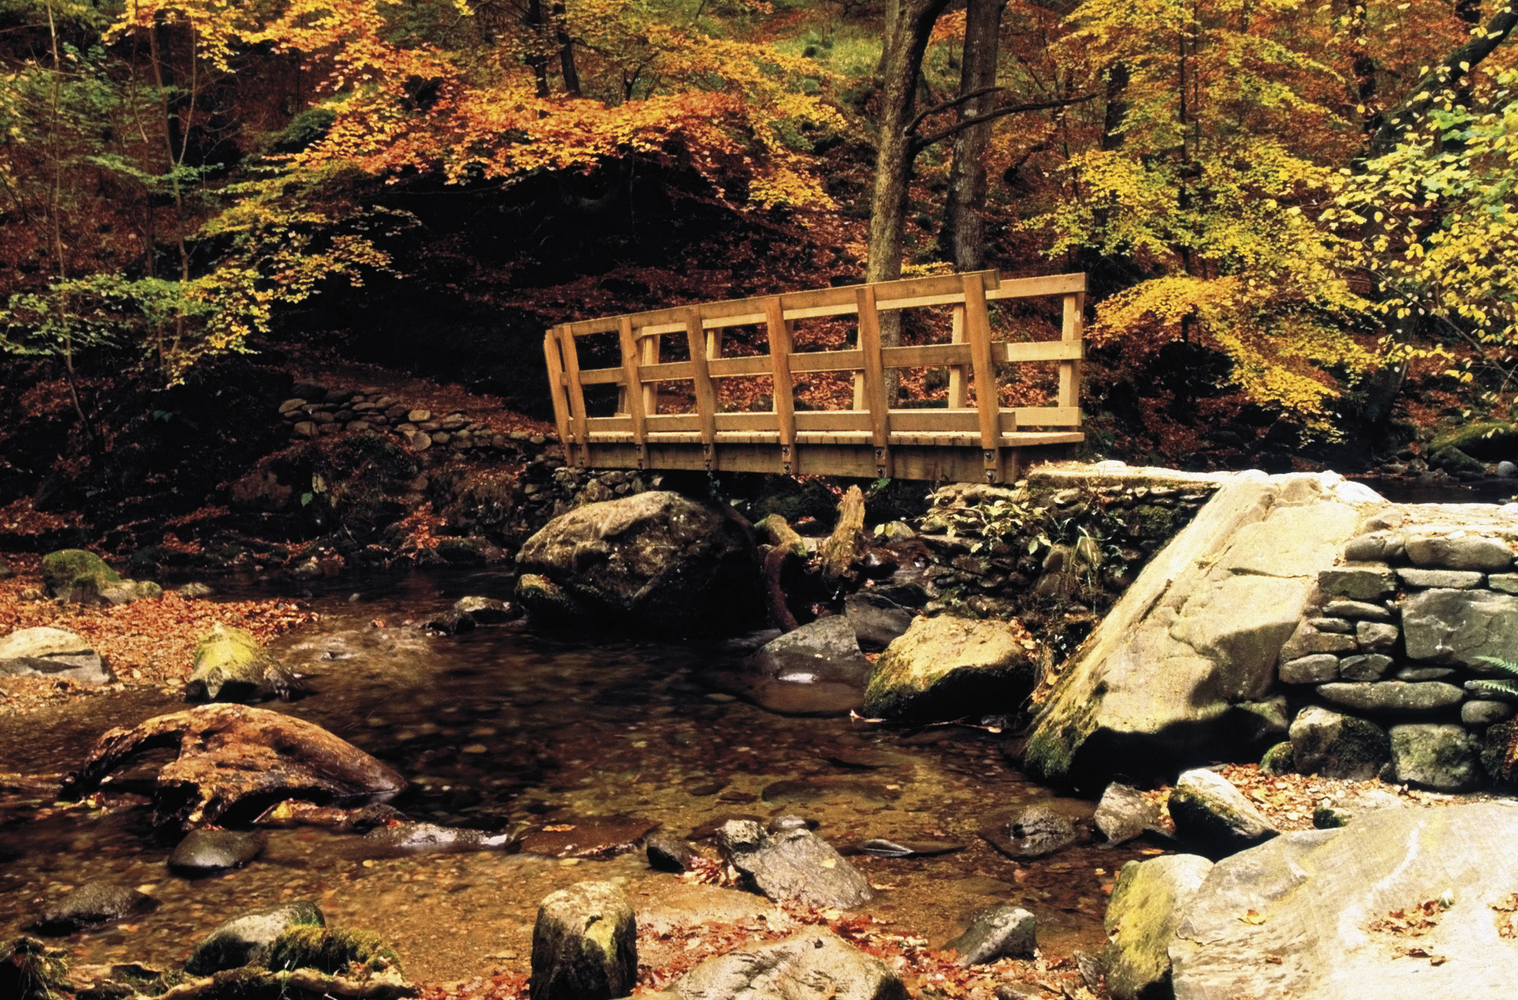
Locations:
{"points": [[500, 728]]}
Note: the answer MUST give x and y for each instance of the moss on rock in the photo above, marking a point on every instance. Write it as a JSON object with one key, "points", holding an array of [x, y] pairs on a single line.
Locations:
{"points": [[331, 950], [75, 574]]}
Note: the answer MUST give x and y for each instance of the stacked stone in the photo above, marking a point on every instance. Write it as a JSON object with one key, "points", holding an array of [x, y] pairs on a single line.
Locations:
{"points": [[317, 412], [968, 570], [1405, 625]]}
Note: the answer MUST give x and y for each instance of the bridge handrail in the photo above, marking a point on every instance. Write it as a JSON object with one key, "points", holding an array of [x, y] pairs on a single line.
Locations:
{"points": [[971, 357]]}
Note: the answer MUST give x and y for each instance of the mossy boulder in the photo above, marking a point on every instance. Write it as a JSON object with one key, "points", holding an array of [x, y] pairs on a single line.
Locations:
{"points": [[230, 665], [246, 939], [75, 574], [331, 950], [948, 668], [1487, 440], [1144, 910], [584, 944]]}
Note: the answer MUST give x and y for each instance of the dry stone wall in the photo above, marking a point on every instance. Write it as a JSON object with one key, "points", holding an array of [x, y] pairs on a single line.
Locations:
{"points": [[1398, 666]]}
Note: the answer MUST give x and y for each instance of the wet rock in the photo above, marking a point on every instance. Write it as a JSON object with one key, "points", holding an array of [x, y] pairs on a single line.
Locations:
{"points": [[1214, 817], [792, 866], [1002, 932], [232, 760], [584, 944], [230, 665], [394, 839], [51, 652], [949, 668], [246, 940], [1143, 912], [1039, 830], [1336, 745], [813, 965], [486, 610], [670, 854], [206, 852], [654, 561], [1479, 712], [1444, 758], [597, 837], [876, 620], [818, 669], [1297, 917], [1124, 813], [90, 906]]}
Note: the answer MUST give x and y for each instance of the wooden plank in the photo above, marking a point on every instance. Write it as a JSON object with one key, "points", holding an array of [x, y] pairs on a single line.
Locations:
{"points": [[1040, 416], [553, 356], [668, 371], [783, 391], [1026, 288], [1070, 332], [1039, 350], [832, 420], [761, 421], [874, 380], [965, 421], [632, 390], [738, 367], [674, 422], [827, 361], [576, 392], [606, 376], [959, 391], [978, 331], [706, 396]]}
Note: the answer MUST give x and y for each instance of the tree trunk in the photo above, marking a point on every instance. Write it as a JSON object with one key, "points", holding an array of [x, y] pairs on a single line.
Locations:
{"points": [[566, 50], [535, 57], [962, 239]]}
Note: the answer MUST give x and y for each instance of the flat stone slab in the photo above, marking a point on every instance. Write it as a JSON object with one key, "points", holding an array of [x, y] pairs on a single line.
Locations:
{"points": [[1309, 915], [1393, 697]]}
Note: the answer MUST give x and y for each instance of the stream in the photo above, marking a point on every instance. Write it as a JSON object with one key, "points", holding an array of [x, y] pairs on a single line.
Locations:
{"points": [[501, 728]]}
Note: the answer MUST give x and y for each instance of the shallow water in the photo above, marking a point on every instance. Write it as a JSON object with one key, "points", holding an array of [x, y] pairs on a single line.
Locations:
{"points": [[500, 729]]}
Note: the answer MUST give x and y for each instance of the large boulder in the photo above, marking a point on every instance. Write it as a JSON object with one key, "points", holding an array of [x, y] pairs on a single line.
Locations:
{"points": [[230, 665], [1355, 911], [1213, 817], [948, 668], [78, 575], [1177, 669], [233, 761], [1336, 745], [1145, 908], [654, 561], [51, 652], [813, 965], [584, 944]]}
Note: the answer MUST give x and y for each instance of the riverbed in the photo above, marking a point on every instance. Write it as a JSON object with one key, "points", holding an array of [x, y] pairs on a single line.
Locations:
{"points": [[505, 729]]}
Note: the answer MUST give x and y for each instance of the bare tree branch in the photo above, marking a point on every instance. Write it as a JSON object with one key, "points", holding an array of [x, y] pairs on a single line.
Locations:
{"points": [[919, 144]]}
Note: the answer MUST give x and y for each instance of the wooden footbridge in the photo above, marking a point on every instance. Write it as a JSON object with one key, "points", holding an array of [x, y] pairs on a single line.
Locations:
{"points": [[972, 438]]}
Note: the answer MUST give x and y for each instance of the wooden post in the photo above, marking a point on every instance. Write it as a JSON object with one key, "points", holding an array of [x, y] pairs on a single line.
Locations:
{"points": [[784, 388], [576, 394], [1071, 331], [978, 327], [706, 396], [556, 389], [648, 348], [959, 393], [874, 380], [632, 390]]}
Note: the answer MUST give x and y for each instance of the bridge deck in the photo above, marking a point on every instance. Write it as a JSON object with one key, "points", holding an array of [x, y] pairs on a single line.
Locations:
{"points": [[972, 438]]}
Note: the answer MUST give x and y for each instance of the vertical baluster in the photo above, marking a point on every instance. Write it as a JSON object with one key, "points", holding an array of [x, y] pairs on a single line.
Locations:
{"points": [[1071, 331], [784, 389], [959, 392], [576, 394], [874, 380], [632, 390], [556, 389], [706, 396], [978, 326]]}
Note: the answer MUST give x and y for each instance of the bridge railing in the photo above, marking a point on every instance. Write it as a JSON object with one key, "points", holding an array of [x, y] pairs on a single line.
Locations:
{"points": [[871, 438]]}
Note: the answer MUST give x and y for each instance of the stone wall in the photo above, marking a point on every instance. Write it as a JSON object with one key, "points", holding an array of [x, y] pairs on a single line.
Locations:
{"points": [[1392, 671]]}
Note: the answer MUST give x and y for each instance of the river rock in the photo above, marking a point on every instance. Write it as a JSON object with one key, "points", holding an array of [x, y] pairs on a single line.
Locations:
{"points": [[1143, 912], [486, 610], [395, 839], [1459, 627], [670, 854], [1299, 915], [1481, 712], [1315, 668], [1198, 633], [206, 852], [1032, 832], [230, 665], [234, 760], [949, 668], [818, 669], [654, 561], [1445, 758], [77, 575], [813, 965], [92, 905], [877, 620], [1364, 667], [792, 866], [1124, 813], [1213, 816], [584, 944], [1336, 745], [245, 940], [51, 652], [1393, 698], [1001, 932], [588, 837]]}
